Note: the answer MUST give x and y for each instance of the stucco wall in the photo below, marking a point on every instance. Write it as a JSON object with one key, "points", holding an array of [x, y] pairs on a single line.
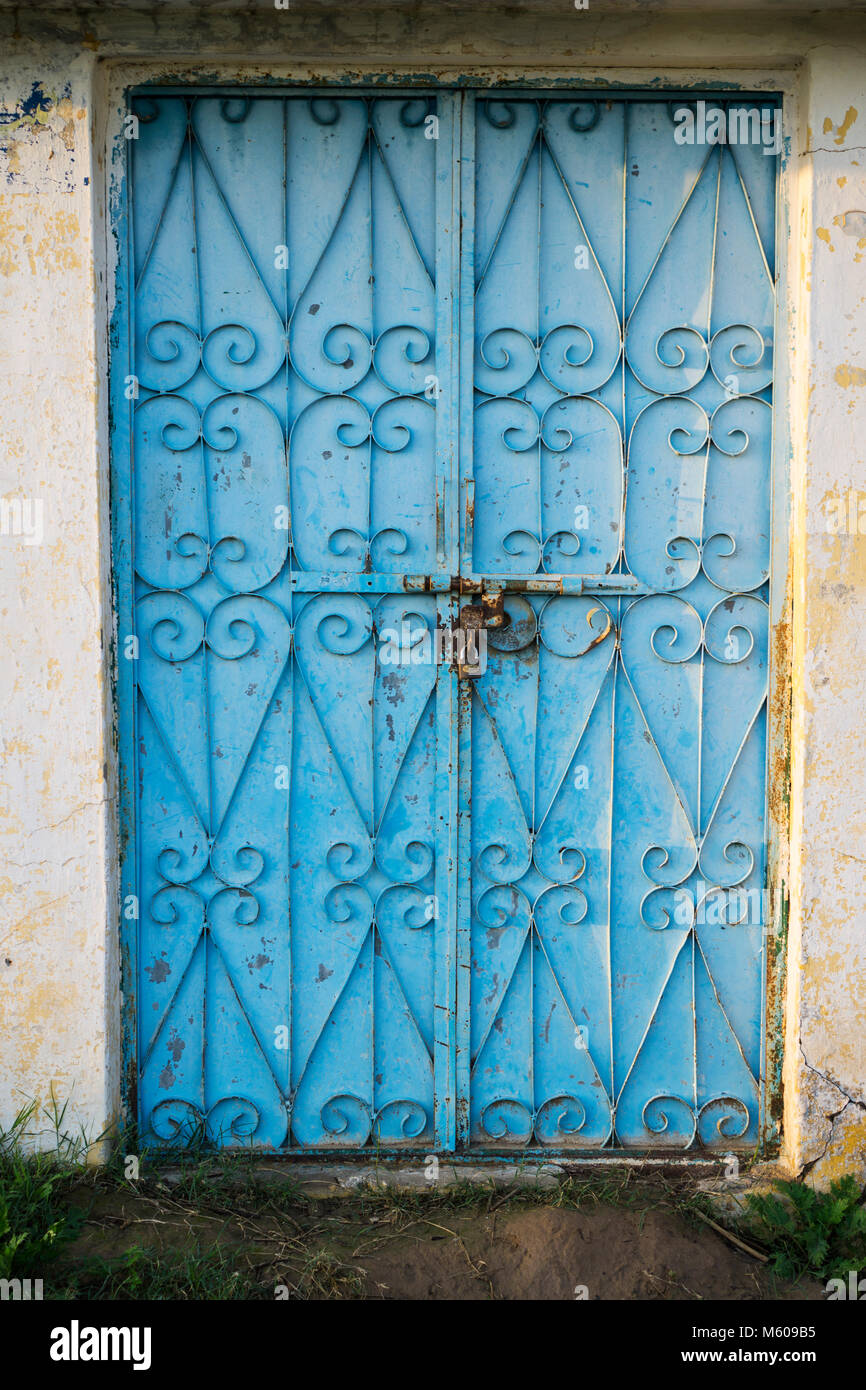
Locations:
{"points": [[61, 83], [825, 1069], [58, 977]]}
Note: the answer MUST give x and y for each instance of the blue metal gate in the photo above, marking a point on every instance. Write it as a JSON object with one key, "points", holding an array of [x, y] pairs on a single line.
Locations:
{"points": [[399, 364]]}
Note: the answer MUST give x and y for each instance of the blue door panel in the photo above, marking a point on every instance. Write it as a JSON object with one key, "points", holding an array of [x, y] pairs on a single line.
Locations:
{"points": [[624, 307], [285, 463], [388, 352]]}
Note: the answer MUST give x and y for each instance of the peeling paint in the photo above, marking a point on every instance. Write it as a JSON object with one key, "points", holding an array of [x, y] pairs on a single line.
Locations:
{"points": [[848, 376], [823, 235], [38, 139], [843, 127]]}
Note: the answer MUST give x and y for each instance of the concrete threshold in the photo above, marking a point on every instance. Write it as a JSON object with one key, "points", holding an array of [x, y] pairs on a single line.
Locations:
{"points": [[328, 1178]]}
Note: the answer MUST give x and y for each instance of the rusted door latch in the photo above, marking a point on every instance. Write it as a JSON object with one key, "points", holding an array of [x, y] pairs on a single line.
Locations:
{"points": [[470, 647]]}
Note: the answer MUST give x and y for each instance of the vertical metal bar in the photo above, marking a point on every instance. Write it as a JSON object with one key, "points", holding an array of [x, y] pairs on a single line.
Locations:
{"points": [[446, 386], [445, 896], [777, 772], [289, 675], [466, 283], [614, 1093], [621, 563], [463, 1060], [465, 441], [126, 687], [625, 422], [447, 325]]}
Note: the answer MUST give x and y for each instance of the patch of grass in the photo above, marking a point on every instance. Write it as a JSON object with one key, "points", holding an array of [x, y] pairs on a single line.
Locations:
{"points": [[200, 1274], [324, 1276], [807, 1232], [229, 1184], [207, 1273], [35, 1221], [623, 1187]]}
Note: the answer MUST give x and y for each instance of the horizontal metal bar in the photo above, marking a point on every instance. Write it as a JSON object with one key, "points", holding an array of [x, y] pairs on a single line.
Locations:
{"points": [[612, 584], [561, 88], [280, 91], [608, 1157], [352, 582]]}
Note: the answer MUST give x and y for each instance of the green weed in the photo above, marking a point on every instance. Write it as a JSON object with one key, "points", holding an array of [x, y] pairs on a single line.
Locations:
{"points": [[35, 1221], [822, 1234]]}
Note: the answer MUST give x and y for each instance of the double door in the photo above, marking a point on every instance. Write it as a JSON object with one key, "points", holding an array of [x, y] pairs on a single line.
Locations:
{"points": [[403, 366]]}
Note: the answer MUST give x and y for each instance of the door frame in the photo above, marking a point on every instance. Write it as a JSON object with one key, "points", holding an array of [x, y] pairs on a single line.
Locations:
{"points": [[121, 81]]}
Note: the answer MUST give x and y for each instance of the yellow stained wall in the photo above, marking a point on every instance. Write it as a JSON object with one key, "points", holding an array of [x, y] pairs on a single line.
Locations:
{"points": [[825, 1063]]}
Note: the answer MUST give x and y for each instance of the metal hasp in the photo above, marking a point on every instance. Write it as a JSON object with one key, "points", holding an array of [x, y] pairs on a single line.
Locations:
{"points": [[489, 613], [403, 367], [476, 618]]}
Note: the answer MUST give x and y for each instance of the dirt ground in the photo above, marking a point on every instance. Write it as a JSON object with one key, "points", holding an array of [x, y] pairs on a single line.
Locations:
{"points": [[499, 1247]]}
